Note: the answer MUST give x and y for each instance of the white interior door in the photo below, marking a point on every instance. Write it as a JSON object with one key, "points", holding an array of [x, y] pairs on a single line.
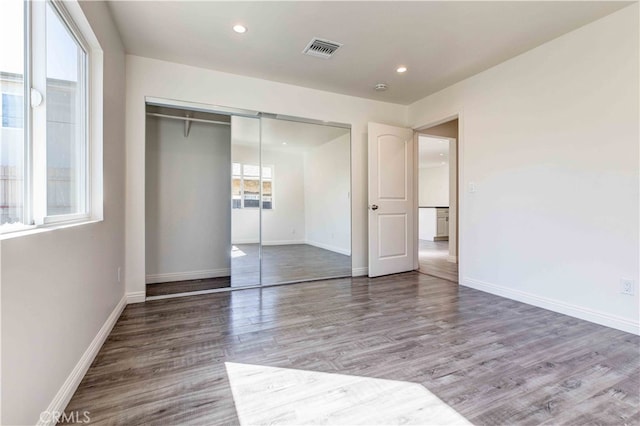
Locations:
{"points": [[391, 200]]}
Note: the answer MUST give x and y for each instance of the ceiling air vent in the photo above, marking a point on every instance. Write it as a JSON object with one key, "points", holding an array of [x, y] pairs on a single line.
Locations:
{"points": [[321, 48]]}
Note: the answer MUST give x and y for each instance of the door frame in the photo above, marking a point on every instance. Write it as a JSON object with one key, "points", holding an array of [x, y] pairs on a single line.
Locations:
{"points": [[461, 185]]}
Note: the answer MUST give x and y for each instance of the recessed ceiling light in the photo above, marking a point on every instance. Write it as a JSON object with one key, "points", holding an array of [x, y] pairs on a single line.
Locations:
{"points": [[284, 143], [240, 29], [401, 69], [441, 155], [443, 163]]}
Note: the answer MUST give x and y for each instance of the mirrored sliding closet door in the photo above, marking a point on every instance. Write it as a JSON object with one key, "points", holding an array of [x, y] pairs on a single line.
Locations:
{"points": [[237, 201], [245, 201], [306, 212]]}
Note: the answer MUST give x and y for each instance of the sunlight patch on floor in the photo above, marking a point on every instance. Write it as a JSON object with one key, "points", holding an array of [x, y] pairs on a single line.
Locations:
{"points": [[272, 395], [236, 252]]}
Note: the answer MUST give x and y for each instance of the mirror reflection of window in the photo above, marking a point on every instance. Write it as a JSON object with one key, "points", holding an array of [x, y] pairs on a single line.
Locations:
{"points": [[267, 194], [251, 192], [236, 192], [245, 191]]}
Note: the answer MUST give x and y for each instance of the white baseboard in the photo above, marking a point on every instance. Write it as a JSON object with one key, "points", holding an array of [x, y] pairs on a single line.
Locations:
{"points": [[245, 242], [335, 249], [136, 297], [586, 314], [70, 385], [360, 272], [270, 243], [452, 259], [189, 275]]}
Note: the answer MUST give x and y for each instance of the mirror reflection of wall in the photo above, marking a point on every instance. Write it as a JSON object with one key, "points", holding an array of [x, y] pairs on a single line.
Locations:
{"points": [[307, 234]]}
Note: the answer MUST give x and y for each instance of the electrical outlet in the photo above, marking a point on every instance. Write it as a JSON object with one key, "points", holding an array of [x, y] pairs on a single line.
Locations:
{"points": [[119, 274], [626, 286]]}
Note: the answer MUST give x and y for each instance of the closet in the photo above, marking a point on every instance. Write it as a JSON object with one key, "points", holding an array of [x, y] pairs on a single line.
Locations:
{"points": [[243, 199]]}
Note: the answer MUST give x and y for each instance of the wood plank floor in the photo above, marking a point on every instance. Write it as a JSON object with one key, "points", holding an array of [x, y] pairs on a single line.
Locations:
{"points": [[285, 263], [174, 287], [494, 360], [432, 260]]}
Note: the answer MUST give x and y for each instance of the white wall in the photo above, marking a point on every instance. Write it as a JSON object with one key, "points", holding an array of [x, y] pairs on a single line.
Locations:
{"points": [[427, 224], [149, 77], [188, 191], [550, 139], [433, 187], [327, 195], [284, 224], [59, 287]]}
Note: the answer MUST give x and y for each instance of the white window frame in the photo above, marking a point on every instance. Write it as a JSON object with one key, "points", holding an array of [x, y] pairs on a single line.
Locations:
{"points": [[35, 199]]}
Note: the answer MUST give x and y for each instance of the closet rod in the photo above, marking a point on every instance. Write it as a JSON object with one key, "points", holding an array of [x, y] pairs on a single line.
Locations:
{"points": [[200, 120]]}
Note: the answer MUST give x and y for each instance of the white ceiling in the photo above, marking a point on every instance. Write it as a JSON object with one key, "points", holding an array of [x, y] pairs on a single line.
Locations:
{"points": [[440, 42], [282, 135], [433, 152]]}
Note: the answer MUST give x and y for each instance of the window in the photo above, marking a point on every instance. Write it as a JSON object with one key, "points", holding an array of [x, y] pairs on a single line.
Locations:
{"points": [[44, 147], [12, 135], [66, 136], [245, 186], [12, 110]]}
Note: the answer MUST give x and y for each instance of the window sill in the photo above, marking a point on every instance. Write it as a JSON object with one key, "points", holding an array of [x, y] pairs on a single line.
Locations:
{"points": [[28, 230]]}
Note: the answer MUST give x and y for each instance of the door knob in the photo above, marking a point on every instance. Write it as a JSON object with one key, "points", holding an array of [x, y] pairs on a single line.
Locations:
{"points": [[374, 207]]}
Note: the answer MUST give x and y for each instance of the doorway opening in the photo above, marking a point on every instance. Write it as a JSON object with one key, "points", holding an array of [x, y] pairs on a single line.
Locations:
{"points": [[438, 200]]}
